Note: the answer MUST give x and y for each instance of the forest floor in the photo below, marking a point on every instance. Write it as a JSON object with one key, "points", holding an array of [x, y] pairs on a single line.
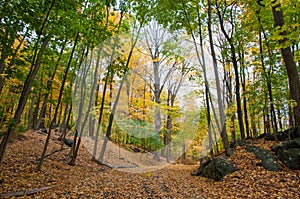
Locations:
{"points": [[87, 179]]}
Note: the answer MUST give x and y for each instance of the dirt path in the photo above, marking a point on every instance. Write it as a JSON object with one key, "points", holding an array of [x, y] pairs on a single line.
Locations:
{"points": [[118, 157]]}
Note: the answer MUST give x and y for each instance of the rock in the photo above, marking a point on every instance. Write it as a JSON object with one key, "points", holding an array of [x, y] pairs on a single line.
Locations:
{"points": [[68, 142], [268, 160], [288, 134], [239, 143], [215, 169], [43, 130], [289, 153]]}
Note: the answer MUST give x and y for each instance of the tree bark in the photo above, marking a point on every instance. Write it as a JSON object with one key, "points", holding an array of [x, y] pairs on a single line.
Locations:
{"points": [[27, 85], [289, 62], [221, 108], [112, 114], [39, 166], [23, 99], [236, 74]]}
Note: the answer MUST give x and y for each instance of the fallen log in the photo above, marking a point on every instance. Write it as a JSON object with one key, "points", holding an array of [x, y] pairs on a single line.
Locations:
{"points": [[116, 167], [22, 193]]}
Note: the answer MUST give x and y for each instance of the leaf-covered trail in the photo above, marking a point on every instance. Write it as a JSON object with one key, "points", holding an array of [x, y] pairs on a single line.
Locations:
{"points": [[90, 180]]}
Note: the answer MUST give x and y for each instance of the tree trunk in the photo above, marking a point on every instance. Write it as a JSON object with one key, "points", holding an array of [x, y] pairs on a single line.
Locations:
{"points": [[39, 166], [243, 82], [109, 71], [23, 99], [221, 108], [289, 62], [236, 74], [2, 66], [27, 85], [112, 114], [41, 120], [267, 75], [91, 103], [30, 112], [36, 109]]}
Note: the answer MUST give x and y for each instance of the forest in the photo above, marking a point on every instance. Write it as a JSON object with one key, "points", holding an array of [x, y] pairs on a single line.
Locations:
{"points": [[145, 99]]}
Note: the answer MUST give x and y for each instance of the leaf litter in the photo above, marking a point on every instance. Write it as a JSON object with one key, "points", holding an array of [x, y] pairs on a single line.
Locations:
{"points": [[87, 179]]}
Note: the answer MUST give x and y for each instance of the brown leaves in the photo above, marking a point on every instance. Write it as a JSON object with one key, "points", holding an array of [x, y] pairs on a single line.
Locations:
{"points": [[90, 180]]}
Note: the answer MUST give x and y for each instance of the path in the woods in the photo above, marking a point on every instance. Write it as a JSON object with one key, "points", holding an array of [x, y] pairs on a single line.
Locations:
{"points": [[118, 157]]}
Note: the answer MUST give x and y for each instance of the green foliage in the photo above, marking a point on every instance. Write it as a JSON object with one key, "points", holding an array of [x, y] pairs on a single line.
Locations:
{"points": [[95, 21]]}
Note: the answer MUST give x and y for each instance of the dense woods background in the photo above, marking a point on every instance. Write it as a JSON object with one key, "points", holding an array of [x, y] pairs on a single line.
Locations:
{"points": [[252, 51]]}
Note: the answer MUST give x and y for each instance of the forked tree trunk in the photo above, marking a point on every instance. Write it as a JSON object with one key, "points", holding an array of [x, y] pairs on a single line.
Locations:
{"points": [[236, 73], [216, 72]]}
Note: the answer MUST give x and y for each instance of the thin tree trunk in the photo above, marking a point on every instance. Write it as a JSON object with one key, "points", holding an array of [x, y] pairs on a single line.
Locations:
{"points": [[221, 108], [39, 166], [22, 100], [91, 103], [2, 66], [243, 81], [236, 74], [111, 116], [27, 85], [267, 75], [109, 71], [30, 112], [36, 109], [41, 120], [79, 128], [65, 130], [202, 63]]}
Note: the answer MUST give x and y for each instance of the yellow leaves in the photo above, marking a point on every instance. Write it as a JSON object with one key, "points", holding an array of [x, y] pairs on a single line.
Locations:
{"points": [[148, 174], [155, 60], [292, 103]]}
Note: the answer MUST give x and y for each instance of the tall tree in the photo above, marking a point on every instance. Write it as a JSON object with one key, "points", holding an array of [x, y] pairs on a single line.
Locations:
{"points": [[288, 59], [28, 82], [234, 63], [215, 64]]}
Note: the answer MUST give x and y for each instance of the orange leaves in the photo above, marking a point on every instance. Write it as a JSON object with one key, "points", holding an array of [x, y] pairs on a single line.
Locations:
{"points": [[90, 180]]}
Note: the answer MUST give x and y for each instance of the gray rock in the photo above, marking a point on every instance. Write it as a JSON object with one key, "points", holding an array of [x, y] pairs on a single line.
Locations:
{"points": [[268, 160], [68, 142], [215, 169], [289, 153], [43, 130], [288, 134]]}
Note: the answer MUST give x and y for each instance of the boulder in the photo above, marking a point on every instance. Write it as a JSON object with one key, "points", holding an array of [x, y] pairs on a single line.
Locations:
{"points": [[215, 169], [268, 160], [288, 134], [289, 153], [68, 142]]}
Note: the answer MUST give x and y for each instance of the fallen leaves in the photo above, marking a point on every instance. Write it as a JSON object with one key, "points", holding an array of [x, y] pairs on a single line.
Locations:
{"points": [[90, 180]]}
